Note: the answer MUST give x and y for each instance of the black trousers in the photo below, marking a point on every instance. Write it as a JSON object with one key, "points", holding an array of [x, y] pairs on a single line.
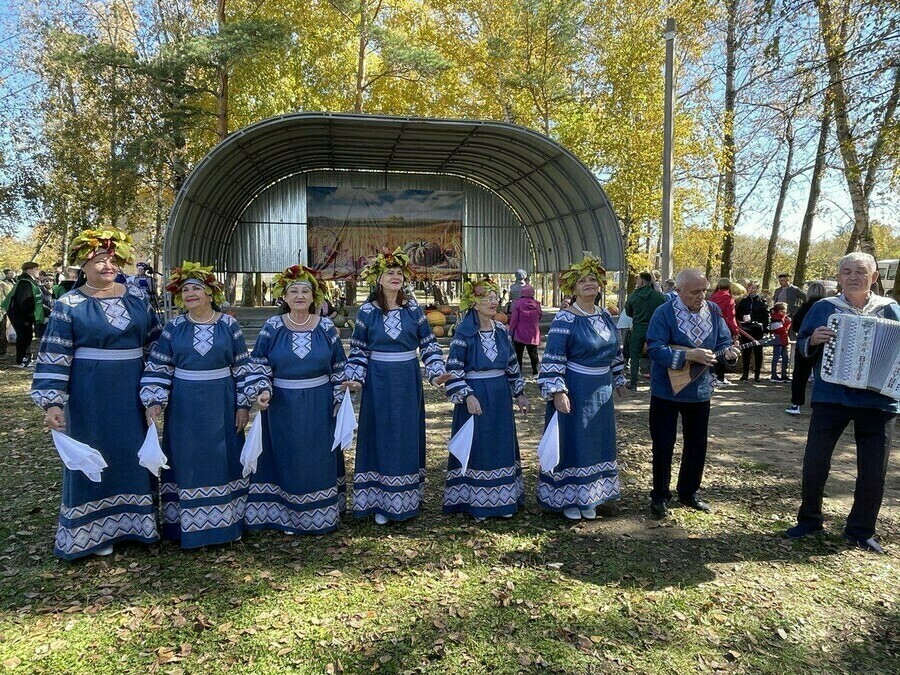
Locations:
{"points": [[663, 429], [757, 332], [873, 431], [3, 341], [803, 368], [24, 336], [532, 356]]}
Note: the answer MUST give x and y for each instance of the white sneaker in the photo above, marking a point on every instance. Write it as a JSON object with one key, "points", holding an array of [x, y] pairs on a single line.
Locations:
{"points": [[589, 514], [507, 515], [479, 519], [106, 550], [572, 513], [380, 519], [793, 410]]}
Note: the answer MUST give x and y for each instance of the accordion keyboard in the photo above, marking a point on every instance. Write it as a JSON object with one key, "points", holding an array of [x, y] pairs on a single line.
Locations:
{"points": [[864, 355]]}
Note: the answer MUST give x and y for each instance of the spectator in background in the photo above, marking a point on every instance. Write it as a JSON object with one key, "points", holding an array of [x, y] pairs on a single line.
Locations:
{"points": [[524, 327], [47, 300], [780, 327], [803, 366], [657, 281], [7, 282], [640, 305], [516, 289], [25, 310], [670, 291], [725, 301], [753, 320], [789, 294], [66, 284]]}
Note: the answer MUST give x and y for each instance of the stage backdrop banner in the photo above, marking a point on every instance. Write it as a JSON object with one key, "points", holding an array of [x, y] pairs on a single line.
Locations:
{"points": [[346, 226]]}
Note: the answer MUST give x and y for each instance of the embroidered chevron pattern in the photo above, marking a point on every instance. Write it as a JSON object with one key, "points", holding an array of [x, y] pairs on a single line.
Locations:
{"points": [[78, 539], [489, 346], [389, 502], [203, 339], [199, 518], [301, 343], [44, 398], [272, 513], [186, 494], [494, 474], [595, 492], [697, 327], [271, 490], [389, 481], [72, 299], [49, 359], [392, 324], [54, 340], [600, 326], [116, 313], [73, 512], [481, 496], [580, 471]]}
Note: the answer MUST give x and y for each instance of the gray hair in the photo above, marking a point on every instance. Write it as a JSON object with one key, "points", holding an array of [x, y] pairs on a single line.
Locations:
{"points": [[816, 291], [687, 275], [858, 257]]}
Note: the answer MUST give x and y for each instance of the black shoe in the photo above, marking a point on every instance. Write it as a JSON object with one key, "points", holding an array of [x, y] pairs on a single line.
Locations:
{"points": [[696, 503], [756, 378], [659, 509], [743, 378], [803, 529], [866, 544]]}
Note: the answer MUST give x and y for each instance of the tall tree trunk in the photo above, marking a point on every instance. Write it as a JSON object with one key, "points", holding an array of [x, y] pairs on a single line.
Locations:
{"points": [[222, 78], [786, 179], [361, 57], [815, 188], [730, 188], [859, 173]]}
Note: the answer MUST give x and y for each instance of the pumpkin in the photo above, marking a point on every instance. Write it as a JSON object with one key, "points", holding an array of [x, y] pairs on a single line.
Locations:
{"points": [[435, 318], [445, 310], [423, 253], [501, 317], [438, 331]]}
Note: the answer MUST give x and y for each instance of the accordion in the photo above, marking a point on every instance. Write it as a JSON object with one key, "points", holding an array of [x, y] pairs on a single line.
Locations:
{"points": [[864, 355]]}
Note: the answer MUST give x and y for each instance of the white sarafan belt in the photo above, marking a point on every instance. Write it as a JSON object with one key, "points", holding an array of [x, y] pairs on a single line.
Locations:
{"points": [[393, 357], [587, 370], [484, 374], [200, 375], [309, 383], [94, 354]]}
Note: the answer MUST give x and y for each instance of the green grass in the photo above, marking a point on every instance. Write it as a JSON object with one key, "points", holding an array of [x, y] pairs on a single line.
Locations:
{"points": [[443, 595]]}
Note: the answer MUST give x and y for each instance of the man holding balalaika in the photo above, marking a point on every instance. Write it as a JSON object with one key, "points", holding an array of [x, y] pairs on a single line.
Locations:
{"points": [[838, 402]]}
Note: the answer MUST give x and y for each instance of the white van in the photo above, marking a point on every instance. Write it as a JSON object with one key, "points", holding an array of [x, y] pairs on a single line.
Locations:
{"points": [[887, 270]]}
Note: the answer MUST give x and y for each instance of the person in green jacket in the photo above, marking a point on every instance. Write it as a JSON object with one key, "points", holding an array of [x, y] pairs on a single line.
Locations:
{"points": [[25, 310], [640, 306]]}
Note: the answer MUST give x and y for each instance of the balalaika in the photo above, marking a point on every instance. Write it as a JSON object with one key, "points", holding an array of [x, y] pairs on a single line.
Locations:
{"points": [[864, 355]]}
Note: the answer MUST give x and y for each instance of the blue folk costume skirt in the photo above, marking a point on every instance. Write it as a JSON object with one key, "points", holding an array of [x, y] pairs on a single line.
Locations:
{"points": [[203, 494], [492, 484], [105, 411], [587, 474], [390, 450], [299, 485]]}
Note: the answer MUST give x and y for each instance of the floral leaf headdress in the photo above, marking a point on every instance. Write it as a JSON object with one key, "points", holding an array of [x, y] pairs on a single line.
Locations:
{"points": [[197, 273], [94, 242], [473, 291], [590, 264], [298, 274], [387, 258]]}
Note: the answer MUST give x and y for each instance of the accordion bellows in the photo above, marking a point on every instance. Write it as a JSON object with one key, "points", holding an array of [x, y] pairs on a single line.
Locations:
{"points": [[864, 355]]}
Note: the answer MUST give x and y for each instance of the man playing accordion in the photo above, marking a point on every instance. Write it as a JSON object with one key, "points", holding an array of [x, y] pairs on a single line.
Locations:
{"points": [[834, 406]]}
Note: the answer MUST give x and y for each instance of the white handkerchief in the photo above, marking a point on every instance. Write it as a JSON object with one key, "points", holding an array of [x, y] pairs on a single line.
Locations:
{"points": [[625, 322], [345, 424], [548, 448], [252, 446], [78, 456], [460, 446], [151, 456]]}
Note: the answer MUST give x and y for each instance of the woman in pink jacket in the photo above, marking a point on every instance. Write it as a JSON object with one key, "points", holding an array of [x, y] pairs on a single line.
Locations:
{"points": [[524, 327], [723, 298]]}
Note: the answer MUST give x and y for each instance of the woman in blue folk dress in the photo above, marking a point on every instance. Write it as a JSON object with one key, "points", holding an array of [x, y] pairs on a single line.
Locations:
{"points": [[484, 380], [87, 380], [581, 366], [297, 368], [196, 372], [390, 332]]}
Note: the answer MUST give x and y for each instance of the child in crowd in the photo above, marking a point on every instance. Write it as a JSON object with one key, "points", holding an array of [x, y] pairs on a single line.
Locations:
{"points": [[780, 324]]}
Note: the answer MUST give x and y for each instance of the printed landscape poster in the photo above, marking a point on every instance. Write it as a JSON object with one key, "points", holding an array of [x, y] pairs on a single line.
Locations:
{"points": [[346, 226]]}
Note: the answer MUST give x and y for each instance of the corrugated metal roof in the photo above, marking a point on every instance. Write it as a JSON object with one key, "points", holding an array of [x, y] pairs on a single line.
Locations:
{"points": [[554, 196]]}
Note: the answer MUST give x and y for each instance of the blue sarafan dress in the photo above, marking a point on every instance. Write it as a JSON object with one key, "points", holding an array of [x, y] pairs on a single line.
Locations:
{"points": [[196, 371], [483, 364], [299, 485], [91, 360], [584, 358], [390, 448]]}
